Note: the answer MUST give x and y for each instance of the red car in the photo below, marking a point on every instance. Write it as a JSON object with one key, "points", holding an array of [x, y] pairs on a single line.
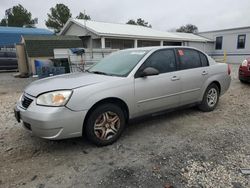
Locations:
{"points": [[244, 71]]}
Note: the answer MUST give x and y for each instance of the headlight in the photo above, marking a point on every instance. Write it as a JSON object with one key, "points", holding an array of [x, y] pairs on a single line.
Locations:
{"points": [[244, 63], [54, 98]]}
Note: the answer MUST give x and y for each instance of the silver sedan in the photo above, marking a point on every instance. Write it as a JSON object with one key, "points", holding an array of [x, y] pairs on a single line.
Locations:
{"points": [[124, 85]]}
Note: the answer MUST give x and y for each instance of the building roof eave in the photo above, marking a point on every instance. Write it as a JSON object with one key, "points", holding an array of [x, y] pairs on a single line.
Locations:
{"points": [[151, 38], [123, 33]]}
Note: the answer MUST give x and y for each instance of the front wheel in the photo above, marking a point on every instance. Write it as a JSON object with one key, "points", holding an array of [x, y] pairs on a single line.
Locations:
{"points": [[105, 124], [210, 98]]}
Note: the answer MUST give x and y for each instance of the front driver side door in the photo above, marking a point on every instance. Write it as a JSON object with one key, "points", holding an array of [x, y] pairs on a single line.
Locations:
{"points": [[158, 92]]}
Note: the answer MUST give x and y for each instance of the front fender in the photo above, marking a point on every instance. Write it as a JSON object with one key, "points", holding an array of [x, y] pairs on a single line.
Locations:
{"points": [[85, 97]]}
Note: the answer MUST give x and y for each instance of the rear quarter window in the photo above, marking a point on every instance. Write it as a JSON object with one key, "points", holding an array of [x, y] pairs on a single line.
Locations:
{"points": [[204, 61]]}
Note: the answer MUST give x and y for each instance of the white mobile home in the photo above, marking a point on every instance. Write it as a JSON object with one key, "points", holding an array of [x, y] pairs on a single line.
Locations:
{"points": [[235, 43], [120, 36]]}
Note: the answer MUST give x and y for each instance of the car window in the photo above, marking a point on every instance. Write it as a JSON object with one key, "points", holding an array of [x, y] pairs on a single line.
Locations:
{"points": [[2, 54], [119, 63], [204, 61], [162, 60], [189, 58]]}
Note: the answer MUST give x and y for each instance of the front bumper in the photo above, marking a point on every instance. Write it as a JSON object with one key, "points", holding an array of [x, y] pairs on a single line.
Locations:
{"points": [[52, 123]]}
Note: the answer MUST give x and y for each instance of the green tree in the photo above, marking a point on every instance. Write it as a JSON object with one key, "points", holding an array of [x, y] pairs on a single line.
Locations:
{"points": [[188, 28], [140, 22], [132, 22], [18, 17], [57, 17], [83, 16], [3, 22]]}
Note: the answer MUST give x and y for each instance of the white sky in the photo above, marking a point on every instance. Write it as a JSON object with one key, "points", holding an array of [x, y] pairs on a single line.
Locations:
{"points": [[161, 14]]}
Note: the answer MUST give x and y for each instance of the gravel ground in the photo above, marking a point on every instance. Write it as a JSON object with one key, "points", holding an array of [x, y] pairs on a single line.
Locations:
{"points": [[185, 148]]}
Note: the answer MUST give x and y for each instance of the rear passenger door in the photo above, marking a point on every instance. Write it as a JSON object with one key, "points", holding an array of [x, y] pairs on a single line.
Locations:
{"points": [[194, 70]]}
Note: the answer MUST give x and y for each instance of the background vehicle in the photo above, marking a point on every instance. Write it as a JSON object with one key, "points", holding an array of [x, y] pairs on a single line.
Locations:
{"points": [[8, 60], [244, 71], [126, 84]]}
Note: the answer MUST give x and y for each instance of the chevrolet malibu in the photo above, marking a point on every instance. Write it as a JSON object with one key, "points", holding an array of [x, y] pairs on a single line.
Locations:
{"points": [[126, 84]]}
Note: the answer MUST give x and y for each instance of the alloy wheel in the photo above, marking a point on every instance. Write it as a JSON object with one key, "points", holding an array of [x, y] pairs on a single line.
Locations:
{"points": [[107, 125], [212, 97]]}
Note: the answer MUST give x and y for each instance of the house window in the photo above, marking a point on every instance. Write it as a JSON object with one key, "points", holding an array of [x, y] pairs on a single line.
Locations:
{"points": [[128, 44], [241, 41], [145, 43], [218, 44], [167, 43], [108, 43]]}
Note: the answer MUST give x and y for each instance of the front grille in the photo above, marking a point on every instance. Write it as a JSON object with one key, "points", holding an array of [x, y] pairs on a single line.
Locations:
{"points": [[26, 101]]}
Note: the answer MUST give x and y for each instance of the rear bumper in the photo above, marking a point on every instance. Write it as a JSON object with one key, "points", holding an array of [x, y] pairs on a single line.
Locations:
{"points": [[244, 78], [52, 123], [244, 73]]}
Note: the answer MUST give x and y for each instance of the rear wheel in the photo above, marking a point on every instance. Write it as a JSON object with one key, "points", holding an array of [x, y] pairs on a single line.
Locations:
{"points": [[105, 124], [210, 98]]}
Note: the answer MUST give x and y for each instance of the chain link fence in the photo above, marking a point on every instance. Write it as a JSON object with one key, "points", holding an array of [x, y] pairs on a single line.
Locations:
{"points": [[79, 63]]}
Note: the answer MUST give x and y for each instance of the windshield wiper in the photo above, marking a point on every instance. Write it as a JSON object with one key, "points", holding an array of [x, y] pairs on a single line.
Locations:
{"points": [[98, 72], [102, 73]]}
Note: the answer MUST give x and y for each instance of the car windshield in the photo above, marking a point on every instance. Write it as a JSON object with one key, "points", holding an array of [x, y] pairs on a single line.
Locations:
{"points": [[119, 63]]}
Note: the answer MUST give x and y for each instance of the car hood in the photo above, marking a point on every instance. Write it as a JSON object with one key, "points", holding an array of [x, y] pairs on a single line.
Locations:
{"points": [[67, 81]]}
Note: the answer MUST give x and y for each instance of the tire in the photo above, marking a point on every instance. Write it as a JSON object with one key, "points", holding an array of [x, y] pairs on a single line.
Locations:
{"points": [[105, 124], [210, 98], [243, 81]]}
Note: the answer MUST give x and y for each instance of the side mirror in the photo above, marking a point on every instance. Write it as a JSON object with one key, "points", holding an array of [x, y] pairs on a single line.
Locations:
{"points": [[149, 71]]}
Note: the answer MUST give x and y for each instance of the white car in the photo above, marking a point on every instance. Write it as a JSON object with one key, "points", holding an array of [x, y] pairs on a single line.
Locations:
{"points": [[124, 85]]}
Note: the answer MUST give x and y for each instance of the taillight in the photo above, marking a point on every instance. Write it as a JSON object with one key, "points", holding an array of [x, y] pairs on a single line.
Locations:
{"points": [[244, 63], [229, 69]]}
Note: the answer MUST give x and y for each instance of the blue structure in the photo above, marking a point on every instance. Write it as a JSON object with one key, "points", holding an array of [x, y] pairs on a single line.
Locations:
{"points": [[9, 36]]}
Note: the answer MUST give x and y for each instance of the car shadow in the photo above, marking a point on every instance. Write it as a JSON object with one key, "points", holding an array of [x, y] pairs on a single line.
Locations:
{"points": [[161, 117], [134, 126]]}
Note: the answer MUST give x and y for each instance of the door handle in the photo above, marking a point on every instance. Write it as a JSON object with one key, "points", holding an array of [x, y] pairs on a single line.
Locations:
{"points": [[204, 73], [174, 78]]}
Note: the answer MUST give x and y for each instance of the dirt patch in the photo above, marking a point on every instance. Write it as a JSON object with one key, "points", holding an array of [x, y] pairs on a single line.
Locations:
{"points": [[185, 148]]}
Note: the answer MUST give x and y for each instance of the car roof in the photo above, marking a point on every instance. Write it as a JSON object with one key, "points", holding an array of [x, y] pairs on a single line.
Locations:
{"points": [[160, 47]]}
